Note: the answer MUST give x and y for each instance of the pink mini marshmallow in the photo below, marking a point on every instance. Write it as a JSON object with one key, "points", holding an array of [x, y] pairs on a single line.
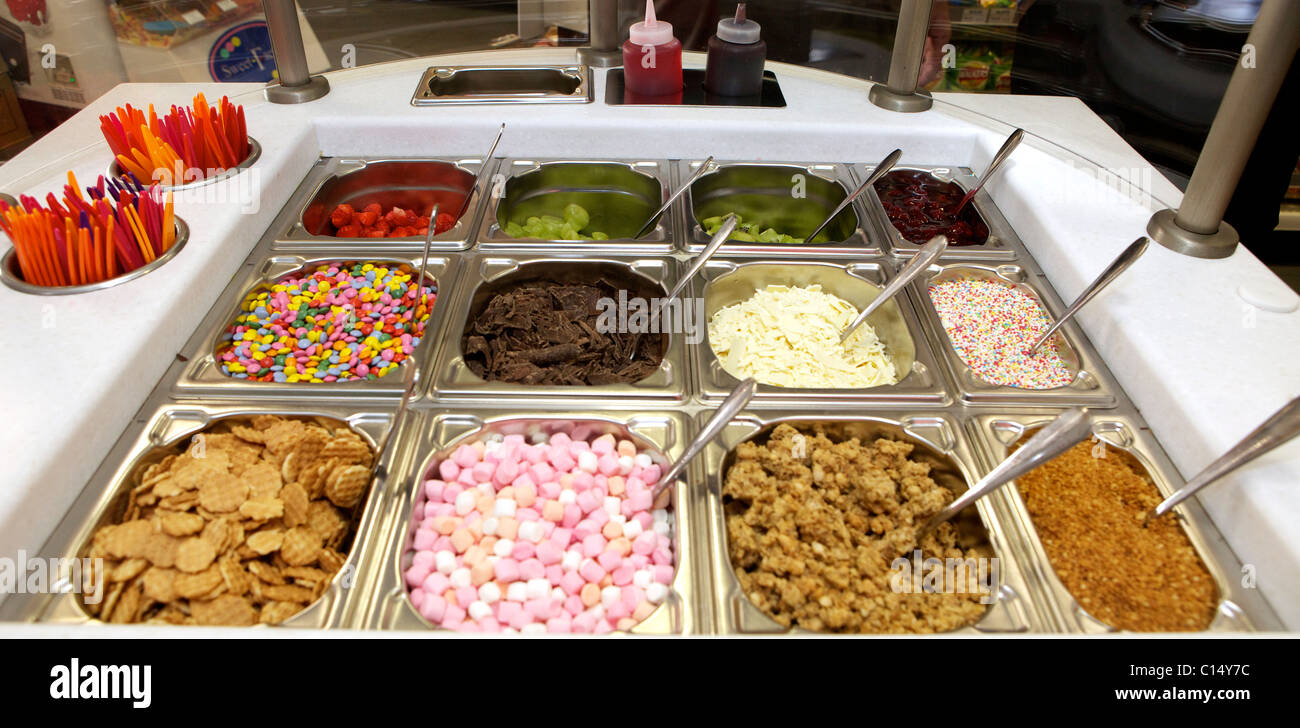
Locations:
{"points": [[433, 488], [560, 458], [534, 454], [583, 481], [584, 624], [550, 490], [610, 560], [507, 470], [645, 543], [523, 551], [434, 608], [416, 574], [593, 545], [435, 583], [548, 553], [623, 577], [554, 574], [527, 514], [592, 572], [466, 595], [662, 556], [621, 545], [483, 472], [572, 583], [541, 472], [587, 501], [442, 544], [506, 569], [531, 569], [450, 491], [465, 456], [607, 464], [574, 606], [651, 474], [603, 444], [561, 537], [617, 611], [572, 514], [559, 625], [465, 479], [540, 609], [632, 596], [424, 539], [417, 597]]}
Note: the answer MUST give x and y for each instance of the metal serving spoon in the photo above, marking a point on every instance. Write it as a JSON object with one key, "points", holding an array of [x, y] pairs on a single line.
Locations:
{"points": [[1008, 146], [1121, 263], [881, 169], [673, 197], [729, 408], [716, 242], [1276, 430], [1060, 435], [919, 262]]}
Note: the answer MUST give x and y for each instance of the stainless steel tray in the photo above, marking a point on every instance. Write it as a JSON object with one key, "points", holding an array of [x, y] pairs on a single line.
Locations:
{"points": [[389, 181], [939, 438], [202, 377], [1240, 609], [670, 384], [630, 191], [1092, 384], [503, 84], [725, 281], [440, 432], [152, 435], [775, 188], [1002, 243]]}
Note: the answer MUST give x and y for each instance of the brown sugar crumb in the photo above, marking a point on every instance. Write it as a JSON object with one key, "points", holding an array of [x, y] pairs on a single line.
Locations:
{"points": [[813, 527], [1088, 512], [215, 535]]}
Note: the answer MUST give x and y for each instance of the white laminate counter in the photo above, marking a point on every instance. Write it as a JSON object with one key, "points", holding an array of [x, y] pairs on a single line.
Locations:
{"points": [[1203, 366]]}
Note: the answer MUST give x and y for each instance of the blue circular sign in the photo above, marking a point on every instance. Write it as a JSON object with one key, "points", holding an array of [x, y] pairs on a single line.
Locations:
{"points": [[243, 53]]}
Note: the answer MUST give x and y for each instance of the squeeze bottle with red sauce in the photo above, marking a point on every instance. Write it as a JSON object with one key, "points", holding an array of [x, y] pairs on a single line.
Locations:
{"points": [[652, 57]]}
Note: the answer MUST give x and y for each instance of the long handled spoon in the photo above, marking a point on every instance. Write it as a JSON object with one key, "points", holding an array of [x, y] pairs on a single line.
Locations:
{"points": [[716, 242], [408, 377], [919, 262], [1008, 146], [482, 170], [1276, 430], [1121, 263], [673, 198], [1060, 435], [729, 408], [881, 169]]}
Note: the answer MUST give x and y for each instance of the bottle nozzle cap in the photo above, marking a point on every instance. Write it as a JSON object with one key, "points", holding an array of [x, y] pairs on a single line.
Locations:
{"points": [[739, 29], [651, 31]]}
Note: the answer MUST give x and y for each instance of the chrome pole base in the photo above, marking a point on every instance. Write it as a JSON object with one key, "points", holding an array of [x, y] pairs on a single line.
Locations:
{"points": [[1164, 229], [600, 59], [316, 87], [882, 96]]}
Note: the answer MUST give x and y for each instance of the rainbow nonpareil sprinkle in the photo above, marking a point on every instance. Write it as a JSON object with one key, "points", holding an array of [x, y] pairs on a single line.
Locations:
{"points": [[991, 325]]}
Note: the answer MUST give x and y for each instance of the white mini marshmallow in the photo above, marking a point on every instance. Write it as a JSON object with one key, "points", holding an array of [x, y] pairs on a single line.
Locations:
{"points": [[642, 460], [613, 506], [539, 438], [610, 595], [486, 489], [660, 515], [558, 594], [662, 529], [656, 593], [445, 561], [479, 610], [534, 628], [504, 507], [631, 529], [491, 593], [618, 518], [531, 531], [587, 461], [643, 578], [571, 560], [503, 547], [490, 526], [464, 502], [459, 578], [567, 497], [625, 464], [538, 588], [517, 592]]}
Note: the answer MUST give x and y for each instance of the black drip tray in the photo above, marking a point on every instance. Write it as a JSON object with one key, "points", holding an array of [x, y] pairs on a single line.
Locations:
{"points": [[693, 93]]}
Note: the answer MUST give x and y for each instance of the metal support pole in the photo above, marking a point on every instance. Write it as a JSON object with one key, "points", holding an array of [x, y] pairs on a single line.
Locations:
{"points": [[900, 93], [297, 85], [1197, 227], [602, 31]]}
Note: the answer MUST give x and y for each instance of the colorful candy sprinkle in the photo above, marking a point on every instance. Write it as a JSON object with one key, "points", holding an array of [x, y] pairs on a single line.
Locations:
{"points": [[991, 325], [337, 323]]}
